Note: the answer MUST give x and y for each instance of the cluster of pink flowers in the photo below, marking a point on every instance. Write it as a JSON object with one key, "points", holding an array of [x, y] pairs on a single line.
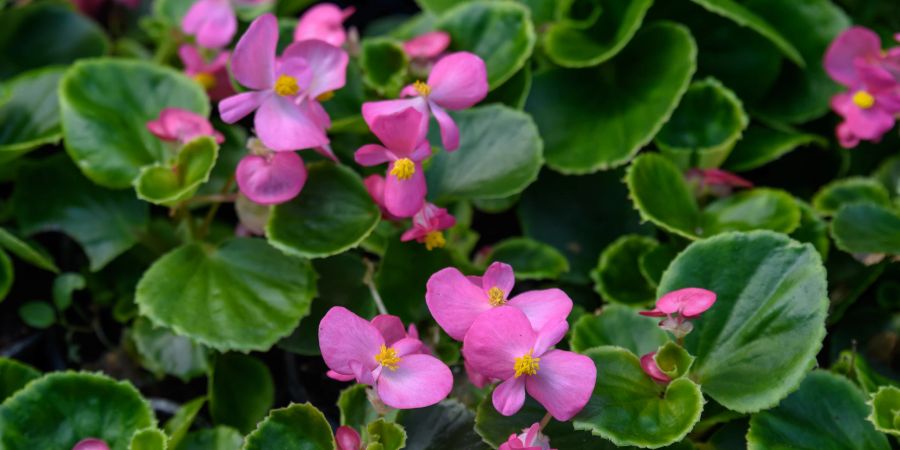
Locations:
{"points": [[678, 307], [872, 76]]}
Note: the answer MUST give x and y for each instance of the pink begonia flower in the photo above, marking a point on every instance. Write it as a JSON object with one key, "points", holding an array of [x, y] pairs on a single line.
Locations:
{"points": [[324, 22], [477, 379], [427, 226], [347, 438], [354, 349], [455, 300], [391, 327], [717, 182], [427, 46], [648, 364], [458, 81], [531, 438], [182, 126], [267, 177], [501, 344], [91, 444], [213, 75], [405, 147], [212, 22], [285, 91], [375, 186], [679, 306]]}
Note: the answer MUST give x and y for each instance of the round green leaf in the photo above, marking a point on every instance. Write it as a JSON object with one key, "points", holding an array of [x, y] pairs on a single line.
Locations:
{"points": [[384, 64], [886, 410], [761, 145], [499, 155], [495, 428], [654, 262], [867, 228], [387, 435], [617, 277], [629, 408], [62, 408], [448, 425], [768, 321], [299, 426], [258, 294], [755, 209], [594, 119], [28, 252], [148, 439], [106, 104], [500, 33], [571, 43], [241, 391], [332, 214], [673, 360], [165, 184], [847, 191], [827, 412], [6, 274], [164, 352], [530, 259], [218, 438], [618, 325], [37, 314], [29, 118], [14, 375], [703, 129]]}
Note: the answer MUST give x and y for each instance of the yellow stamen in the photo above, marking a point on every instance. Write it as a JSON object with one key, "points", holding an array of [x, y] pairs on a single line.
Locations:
{"points": [[403, 169], [527, 364], [422, 88], [435, 239], [206, 80], [388, 358], [863, 99], [325, 96], [286, 86], [495, 295]]}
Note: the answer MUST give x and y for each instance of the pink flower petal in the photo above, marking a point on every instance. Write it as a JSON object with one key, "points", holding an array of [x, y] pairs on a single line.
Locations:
{"points": [[253, 59], [339, 376], [237, 107], [418, 381], [509, 396], [549, 336], [407, 346], [401, 131], [449, 130], [563, 384], [347, 438], [375, 186], [852, 44], [454, 302], [345, 338], [91, 444], [372, 155], [212, 22], [327, 65], [543, 307], [475, 378], [496, 338], [272, 179], [404, 198], [648, 364], [499, 275], [181, 125], [458, 81], [191, 58], [845, 136], [428, 45], [373, 110], [323, 22], [390, 327], [689, 302], [283, 125], [870, 124]]}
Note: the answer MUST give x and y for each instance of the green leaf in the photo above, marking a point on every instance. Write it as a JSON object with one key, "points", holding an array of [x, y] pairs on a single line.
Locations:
{"points": [[6, 274], [402, 274], [530, 259], [812, 229], [30, 37], [37, 314], [618, 325], [495, 429], [617, 277], [62, 408], [164, 352], [14, 375], [594, 119], [64, 286], [105, 223], [654, 262], [499, 155], [388, 435], [438, 6], [761, 145], [241, 391], [888, 173], [165, 184], [673, 360], [854, 366], [300, 426], [29, 253], [356, 409], [148, 439], [886, 410], [827, 412], [384, 64], [447, 425], [258, 293], [514, 91], [629, 408], [500, 33], [867, 228], [703, 129], [106, 104], [755, 209], [29, 118], [768, 321], [178, 426], [848, 191], [570, 43], [334, 213], [218, 438]]}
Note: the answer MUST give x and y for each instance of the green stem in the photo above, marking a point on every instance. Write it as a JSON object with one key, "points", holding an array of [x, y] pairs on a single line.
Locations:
{"points": [[368, 281], [211, 214], [545, 420]]}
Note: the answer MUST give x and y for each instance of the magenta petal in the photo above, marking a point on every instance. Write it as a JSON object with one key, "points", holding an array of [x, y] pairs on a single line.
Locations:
{"points": [[475, 378], [373, 110], [283, 125], [345, 337], [689, 302], [339, 376], [191, 58], [509, 396], [428, 45], [563, 384], [176, 124], [237, 107], [272, 179], [404, 198], [458, 81], [212, 22], [845, 136], [454, 302], [418, 381], [323, 22], [253, 59], [327, 63], [91, 444], [543, 307], [648, 364], [401, 131], [372, 155], [347, 438], [407, 346], [852, 44], [390, 327], [549, 336], [499, 275], [449, 130], [496, 338], [869, 124]]}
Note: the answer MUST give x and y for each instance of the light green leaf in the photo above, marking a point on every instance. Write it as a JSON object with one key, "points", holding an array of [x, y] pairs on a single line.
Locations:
{"points": [[848, 191], [867, 228], [241, 391], [617, 277], [29, 117], [64, 286], [164, 352], [886, 410], [168, 184], [448, 425], [218, 438], [388, 435], [37, 314], [14, 375], [384, 64], [178, 426], [618, 325], [761, 145], [673, 360], [148, 439], [28, 252], [530, 259], [300, 426]]}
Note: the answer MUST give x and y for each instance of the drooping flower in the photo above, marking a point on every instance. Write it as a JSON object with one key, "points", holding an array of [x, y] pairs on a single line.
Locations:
{"points": [[457, 81], [267, 177], [324, 22], [180, 125], [428, 225], [354, 349], [501, 344], [91, 444], [455, 300], [531, 438], [716, 182], [285, 91], [679, 306], [375, 187], [211, 22], [347, 438], [212, 75], [427, 46], [648, 364], [405, 147]]}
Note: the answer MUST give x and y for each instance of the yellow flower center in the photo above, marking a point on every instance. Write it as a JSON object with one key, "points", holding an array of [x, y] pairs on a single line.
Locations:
{"points": [[286, 86], [206, 80], [387, 357], [495, 296], [435, 239], [422, 88], [527, 364], [325, 96], [863, 99], [403, 169]]}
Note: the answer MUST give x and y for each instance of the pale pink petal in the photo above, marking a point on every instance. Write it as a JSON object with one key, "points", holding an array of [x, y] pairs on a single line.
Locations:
{"points": [[91, 444], [475, 378], [283, 125], [404, 198], [345, 337], [176, 124], [689, 302], [549, 336], [327, 152], [845, 136], [496, 338], [402, 131], [428, 45], [190, 57], [339, 376], [372, 110], [648, 364], [543, 307], [458, 81], [253, 59], [418, 381], [375, 186], [372, 155], [237, 107], [407, 346], [499, 275], [318, 113], [327, 65], [212, 22], [852, 44], [449, 130], [509, 396], [454, 301], [363, 373], [347, 438], [272, 179], [563, 384], [323, 22], [723, 177], [870, 124], [391, 328], [422, 152]]}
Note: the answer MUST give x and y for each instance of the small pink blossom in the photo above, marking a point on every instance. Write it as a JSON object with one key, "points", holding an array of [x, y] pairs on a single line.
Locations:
{"points": [[679, 306], [375, 187], [458, 81], [456, 301], [91, 444], [391, 327], [717, 182], [531, 438], [648, 364], [427, 46], [502, 344], [212, 75], [355, 349], [212, 22], [347, 438], [269, 178], [324, 22], [428, 225], [182, 126]]}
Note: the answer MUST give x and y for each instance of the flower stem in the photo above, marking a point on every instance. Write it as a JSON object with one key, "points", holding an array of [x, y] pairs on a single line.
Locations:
{"points": [[368, 281], [207, 222], [545, 420]]}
